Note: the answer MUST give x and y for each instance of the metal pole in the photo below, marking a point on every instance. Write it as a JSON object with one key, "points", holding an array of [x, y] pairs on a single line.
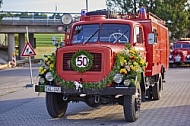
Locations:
{"points": [[86, 5], [30, 70], [135, 6], [30, 66]]}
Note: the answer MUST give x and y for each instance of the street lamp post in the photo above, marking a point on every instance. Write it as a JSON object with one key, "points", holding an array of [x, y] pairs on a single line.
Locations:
{"points": [[135, 6], [87, 5]]}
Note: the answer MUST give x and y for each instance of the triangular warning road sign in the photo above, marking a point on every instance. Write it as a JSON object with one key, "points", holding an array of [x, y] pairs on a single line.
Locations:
{"points": [[28, 50]]}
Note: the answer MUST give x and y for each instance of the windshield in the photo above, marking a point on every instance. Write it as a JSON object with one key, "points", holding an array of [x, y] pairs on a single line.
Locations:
{"points": [[82, 33], [179, 46], [105, 33]]}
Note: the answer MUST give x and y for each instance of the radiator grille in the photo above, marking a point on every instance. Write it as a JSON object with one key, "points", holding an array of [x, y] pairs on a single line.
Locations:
{"points": [[96, 62]]}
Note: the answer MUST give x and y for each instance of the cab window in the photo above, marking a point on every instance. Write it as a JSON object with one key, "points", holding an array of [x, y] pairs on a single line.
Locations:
{"points": [[138, 35], [115, 32], [82, 33]]}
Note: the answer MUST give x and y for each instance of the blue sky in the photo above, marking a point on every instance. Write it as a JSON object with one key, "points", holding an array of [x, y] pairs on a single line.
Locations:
{"points": [[50, 5]]}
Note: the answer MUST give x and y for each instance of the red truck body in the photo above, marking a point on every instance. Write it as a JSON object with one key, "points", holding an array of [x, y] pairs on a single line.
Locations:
{"points": [[180, 53], [96, 41]]}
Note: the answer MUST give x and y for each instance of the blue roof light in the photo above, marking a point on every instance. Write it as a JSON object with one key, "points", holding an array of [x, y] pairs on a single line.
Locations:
{"points": [[142, 10], [83, 12]]}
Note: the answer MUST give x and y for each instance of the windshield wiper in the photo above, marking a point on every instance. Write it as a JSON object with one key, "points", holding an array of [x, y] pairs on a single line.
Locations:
{"points": [[92, 35], [122, 35]]}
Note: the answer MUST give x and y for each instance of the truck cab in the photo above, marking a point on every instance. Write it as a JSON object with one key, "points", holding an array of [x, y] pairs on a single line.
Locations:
{"points": [[180, 53], [119, 60]]}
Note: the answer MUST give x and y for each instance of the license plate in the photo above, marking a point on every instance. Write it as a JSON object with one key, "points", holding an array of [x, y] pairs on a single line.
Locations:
{"points": [[52, 89]]}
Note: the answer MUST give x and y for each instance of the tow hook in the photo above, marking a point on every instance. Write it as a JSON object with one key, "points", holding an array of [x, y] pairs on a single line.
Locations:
{"points": [[97, 99], [65, 97]]}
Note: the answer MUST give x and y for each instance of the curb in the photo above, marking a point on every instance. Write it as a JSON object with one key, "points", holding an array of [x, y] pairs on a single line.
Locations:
{"points": [[19, 63], [4, 66]]}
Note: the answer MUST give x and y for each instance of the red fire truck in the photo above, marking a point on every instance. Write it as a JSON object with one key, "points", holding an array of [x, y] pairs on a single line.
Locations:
{"points": [[180, 53], [107, 59]]}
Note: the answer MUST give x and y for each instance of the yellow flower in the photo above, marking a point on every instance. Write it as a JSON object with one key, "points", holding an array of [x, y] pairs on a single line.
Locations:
{"points": [[49, 57], [51, 66], [123, 71], [142, 62], [132, 51], [43, 71], [122, 61], [40, 69], [135, 63], [132, 67]]}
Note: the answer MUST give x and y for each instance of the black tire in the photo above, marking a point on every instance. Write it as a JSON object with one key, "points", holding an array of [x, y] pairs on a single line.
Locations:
{"points": [[143, 88], [105, 12], [157, 89], [149, 93], [131, 106], [143, 96], [55, 105]]}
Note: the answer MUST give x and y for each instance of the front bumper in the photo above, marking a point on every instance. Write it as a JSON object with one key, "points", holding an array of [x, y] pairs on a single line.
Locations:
{"points": [[73, 91]]}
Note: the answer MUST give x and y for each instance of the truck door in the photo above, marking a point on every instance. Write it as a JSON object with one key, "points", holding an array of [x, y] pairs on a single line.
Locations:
{"points": [[139, 41], [157, 47]]}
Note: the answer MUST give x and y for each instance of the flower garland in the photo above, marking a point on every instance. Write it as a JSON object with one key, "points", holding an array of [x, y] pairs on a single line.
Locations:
{"points": [[131, 63], [128, 62]]}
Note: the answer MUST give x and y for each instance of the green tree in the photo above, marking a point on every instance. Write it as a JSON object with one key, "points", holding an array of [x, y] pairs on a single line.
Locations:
{"points": [[176, 13], [131, 6], [1, 2]]}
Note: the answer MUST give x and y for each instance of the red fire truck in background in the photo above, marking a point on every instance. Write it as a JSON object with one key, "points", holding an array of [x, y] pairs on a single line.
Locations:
{"points": [[180, 53], [86, 68]]}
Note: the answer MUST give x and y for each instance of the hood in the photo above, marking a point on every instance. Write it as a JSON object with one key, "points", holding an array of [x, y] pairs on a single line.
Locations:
{"points": [[103, 61], [114, 48]]}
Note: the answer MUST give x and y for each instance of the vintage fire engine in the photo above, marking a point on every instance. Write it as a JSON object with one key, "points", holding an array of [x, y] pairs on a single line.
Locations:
{"points": [[180, 53], [107, 59]]}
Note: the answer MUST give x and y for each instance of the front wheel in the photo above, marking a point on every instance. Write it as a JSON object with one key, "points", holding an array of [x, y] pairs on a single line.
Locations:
{"points": [[131, 105], [55, 105]]}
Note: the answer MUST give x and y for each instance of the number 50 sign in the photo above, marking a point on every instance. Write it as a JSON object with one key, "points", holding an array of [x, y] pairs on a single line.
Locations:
{"points": [[82, 61]]}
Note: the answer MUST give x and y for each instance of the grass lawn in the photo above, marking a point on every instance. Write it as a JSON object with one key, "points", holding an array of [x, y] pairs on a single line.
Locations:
{"points": [[44, 44], [41, 51], [46, 39]]}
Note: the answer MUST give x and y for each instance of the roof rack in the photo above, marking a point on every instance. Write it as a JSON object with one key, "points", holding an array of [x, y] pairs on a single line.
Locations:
{"points": [[155, 18]]}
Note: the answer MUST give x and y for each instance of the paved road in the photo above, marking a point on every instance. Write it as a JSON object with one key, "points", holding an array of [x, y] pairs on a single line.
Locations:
{"points": [[25, 107]]}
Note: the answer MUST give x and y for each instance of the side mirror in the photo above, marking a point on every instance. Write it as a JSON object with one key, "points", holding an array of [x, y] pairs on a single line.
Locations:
{"points": [[151, 38]]}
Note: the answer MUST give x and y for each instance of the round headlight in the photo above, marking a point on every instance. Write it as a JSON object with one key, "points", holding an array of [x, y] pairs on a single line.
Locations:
{"points": [[41, 80], [49, 76], [127, 82], [118, 78], [67, 19]]}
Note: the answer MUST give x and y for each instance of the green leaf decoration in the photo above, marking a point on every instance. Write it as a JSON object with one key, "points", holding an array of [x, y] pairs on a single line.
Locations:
{"points": [[78, 54]]}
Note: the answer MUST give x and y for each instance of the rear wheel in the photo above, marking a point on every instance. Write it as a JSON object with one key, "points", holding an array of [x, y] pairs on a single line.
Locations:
{"points": [[157, 89], [55, 105], [131, 105]]}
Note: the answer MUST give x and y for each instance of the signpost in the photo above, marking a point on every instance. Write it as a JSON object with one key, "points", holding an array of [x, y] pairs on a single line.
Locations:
{"points": [[28, 51]]}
